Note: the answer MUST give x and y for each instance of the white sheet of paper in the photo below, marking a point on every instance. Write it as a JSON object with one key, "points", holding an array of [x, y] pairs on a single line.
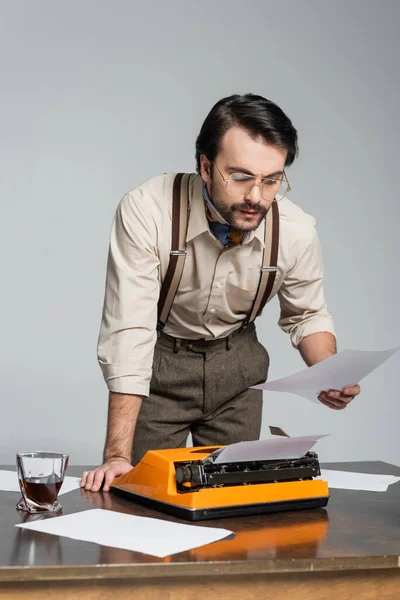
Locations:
{"points": [[69, 484], [139, 534], [345, 480], [274, 449], [344, 369], [9, 483]]}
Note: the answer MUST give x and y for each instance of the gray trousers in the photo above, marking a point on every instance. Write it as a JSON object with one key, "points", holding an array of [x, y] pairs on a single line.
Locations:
{"points": [[201, 387]]}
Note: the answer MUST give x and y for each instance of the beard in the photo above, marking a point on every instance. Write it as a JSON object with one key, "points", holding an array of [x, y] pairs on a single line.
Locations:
{"points": [[232, 212]]}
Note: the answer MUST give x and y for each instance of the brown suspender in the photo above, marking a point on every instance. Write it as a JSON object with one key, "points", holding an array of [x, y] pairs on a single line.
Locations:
{"points": [[269, 264], [180, 218]]}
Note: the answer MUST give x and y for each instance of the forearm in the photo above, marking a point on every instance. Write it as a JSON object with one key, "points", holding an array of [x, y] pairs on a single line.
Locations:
{"points": [[316, 347], [123, 410]]}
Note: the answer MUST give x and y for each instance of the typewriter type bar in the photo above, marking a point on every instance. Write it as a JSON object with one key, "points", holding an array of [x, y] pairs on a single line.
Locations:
{"points": [[192, 476]]}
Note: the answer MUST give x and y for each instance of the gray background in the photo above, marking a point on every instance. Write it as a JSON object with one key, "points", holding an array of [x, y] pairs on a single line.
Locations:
{"points": [[98, 96]]}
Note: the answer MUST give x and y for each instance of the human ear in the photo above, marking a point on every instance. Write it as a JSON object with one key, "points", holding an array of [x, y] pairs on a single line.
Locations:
{"points": [[205, 168]]}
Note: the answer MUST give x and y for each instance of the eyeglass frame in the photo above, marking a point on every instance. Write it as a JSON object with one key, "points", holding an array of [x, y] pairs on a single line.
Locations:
{"points": [[284, 178]]}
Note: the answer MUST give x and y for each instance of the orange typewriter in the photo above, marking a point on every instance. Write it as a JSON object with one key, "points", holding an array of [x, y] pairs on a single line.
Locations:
{"points": [[195, 484]]}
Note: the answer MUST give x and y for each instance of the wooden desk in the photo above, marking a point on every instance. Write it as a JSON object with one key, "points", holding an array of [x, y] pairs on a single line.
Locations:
{"points": [[349, 550]]}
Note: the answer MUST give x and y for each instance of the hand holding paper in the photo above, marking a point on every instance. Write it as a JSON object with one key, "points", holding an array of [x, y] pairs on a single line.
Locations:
{"points": [[339, 399], [342, 370]]}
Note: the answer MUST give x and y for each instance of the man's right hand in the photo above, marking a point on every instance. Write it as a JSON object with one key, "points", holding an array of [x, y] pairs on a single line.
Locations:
{"points": [[92, 480]]}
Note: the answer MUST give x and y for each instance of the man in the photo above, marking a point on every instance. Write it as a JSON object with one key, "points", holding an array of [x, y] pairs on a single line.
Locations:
{"points": [[194, 375]]}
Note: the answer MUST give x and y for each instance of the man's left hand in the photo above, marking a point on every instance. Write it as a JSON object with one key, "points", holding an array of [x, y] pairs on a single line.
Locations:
{"points": [[338, 400]]}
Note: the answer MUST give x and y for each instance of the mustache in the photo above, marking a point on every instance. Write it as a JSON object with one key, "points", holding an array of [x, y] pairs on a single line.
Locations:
{"points": [[246, 206]]}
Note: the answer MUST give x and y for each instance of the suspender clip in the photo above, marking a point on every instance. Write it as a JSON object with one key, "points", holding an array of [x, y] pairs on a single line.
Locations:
{"points": [[269, 269], [178, 253]]}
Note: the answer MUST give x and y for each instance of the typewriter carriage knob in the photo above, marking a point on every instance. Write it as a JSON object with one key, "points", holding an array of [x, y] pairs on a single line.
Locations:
{"points": [[183, 474]]}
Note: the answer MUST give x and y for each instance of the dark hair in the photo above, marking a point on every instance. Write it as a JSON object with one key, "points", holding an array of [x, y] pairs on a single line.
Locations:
{"points": [[257, 115]]}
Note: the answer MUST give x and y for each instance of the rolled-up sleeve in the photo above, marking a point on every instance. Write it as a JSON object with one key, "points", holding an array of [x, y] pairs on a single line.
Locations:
{"points": [[301, 295], [128, 328]]}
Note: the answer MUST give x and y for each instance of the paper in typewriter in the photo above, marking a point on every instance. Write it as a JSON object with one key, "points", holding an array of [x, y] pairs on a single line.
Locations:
{"points": [[344, 369], [275, 449]]}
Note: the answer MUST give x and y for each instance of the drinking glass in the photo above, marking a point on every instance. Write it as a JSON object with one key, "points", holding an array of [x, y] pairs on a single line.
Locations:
{"points": [[40, 476]]}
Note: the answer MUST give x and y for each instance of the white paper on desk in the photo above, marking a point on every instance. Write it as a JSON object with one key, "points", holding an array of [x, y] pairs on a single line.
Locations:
{"points": [[345, 480], [344, 369], [9, 483], [139, 534], [274, 449], [69, 484]]}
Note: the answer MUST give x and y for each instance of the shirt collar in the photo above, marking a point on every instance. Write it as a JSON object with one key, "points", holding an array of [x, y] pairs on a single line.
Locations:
{"points": [[198, 223]]}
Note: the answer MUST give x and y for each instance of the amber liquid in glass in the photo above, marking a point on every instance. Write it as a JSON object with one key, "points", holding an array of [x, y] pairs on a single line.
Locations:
{"points": [[42, 490]]}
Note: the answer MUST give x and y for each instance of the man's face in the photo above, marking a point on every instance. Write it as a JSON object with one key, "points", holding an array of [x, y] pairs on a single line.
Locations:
{"points": [[239, 153]]}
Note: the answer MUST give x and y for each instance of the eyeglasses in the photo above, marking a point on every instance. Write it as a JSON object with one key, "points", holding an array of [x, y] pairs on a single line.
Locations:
{"points": [[241, 184]]}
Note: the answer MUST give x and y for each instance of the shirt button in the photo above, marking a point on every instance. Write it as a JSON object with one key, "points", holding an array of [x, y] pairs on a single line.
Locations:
{"points": [[212, 310], [218, 285]]}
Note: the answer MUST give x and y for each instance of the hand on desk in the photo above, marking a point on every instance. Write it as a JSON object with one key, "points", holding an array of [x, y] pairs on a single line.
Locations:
{"points": [[92, 480], [339, 399]]}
